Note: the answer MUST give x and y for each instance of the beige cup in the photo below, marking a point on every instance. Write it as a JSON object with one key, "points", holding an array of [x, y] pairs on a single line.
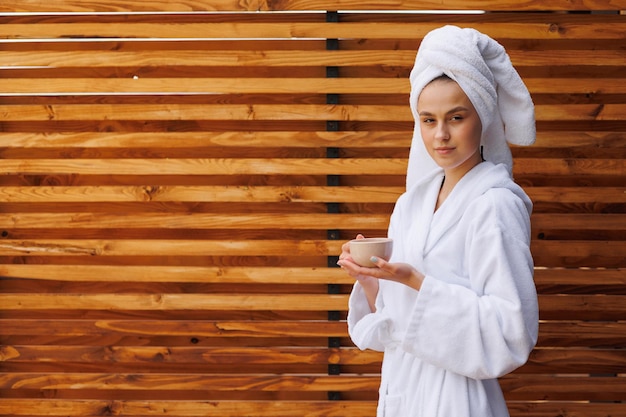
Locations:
{"points": [[362, 250]]}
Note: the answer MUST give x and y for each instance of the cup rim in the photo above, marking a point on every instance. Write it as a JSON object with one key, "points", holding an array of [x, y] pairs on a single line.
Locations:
{"points": [[372, 240]]}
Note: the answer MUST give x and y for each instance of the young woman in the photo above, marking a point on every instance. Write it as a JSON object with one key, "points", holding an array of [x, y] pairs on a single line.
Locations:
{"points": [[455, 307]]}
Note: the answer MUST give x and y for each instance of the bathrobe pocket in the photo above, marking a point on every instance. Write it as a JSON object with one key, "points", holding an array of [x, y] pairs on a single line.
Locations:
{"points": [[392, 406]]}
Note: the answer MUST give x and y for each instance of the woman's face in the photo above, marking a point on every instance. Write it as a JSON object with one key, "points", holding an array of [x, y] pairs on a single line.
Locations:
{"points": [[450, 126]]}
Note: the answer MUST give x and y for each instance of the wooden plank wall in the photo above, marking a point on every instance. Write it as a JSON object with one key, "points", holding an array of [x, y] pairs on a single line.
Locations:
{"points": [[177, 182]]}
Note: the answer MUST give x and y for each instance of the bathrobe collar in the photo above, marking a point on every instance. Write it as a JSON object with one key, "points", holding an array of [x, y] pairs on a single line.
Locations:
{"points": [[475, 183]]}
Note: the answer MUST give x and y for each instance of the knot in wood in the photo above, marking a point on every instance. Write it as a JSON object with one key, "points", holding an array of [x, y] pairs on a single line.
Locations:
{"points": [[555, 28]]}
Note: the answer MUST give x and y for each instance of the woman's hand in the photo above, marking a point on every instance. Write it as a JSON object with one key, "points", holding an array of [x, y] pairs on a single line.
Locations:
{"points": [[368, 277], [347, 263], [399, 272], [369, 284]]}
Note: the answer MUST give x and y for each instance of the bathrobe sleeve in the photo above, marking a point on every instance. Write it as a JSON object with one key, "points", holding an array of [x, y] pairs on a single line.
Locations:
{"points": [[488, 328], [367, 330]]}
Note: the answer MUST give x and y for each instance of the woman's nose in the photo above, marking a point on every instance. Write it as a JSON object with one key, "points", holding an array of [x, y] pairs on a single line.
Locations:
{"points": [[442, 132]]}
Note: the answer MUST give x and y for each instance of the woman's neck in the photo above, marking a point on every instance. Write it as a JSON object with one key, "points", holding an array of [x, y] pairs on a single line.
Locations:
{"points": [[450, 180]]}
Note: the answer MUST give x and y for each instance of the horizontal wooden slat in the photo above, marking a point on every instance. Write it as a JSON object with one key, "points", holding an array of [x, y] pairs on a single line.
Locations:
{"points": [[549, 360], [259, 5], [282, 408], [268, 275], [558, 28], [573, 85], [207, 408], [560, 307], [265, 194], [517, 386], [182, 247], [561, 112], [582, 307], [96, 86], [215, 382], [558, 58], [581, 138], [576, 248], [170, 247], [577, 194], [563, 333], [167, 355], [191, 328], [242, 58], [540, 221], [580, 277], [476, 18], [551, 388], [194, 220], [250, 139], [199, 302], [68, 194], [293, 166], [146, 273], [279, 58], [575, 361], [343, 139], [571, 408], [210, 166], [585, 334], [578, 221], [180, 112], [210, 112]]}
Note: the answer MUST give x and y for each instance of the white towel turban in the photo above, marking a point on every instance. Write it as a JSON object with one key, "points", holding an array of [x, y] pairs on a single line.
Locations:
{"points": [[482, 68]]}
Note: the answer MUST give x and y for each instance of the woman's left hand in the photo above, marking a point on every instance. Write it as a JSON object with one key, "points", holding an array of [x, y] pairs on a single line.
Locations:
{"points": [[399, 272]]}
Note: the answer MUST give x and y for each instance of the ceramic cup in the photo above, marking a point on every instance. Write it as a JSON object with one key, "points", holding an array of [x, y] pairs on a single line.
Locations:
{"points": [[362, 250]]}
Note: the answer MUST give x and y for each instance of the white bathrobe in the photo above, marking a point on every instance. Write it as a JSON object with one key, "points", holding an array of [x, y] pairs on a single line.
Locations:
{"points": [[475, 317]]}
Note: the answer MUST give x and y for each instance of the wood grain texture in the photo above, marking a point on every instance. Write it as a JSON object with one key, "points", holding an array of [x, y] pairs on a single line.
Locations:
{"points": [[198, 302], [279, 58], [77, 408], [251, 139], [257, 112], [231, 139], [260, 5], [99, 86], [213, 408]]}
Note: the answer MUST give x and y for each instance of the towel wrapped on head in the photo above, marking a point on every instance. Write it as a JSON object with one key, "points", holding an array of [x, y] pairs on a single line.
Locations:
{"points": [[482, 68]]}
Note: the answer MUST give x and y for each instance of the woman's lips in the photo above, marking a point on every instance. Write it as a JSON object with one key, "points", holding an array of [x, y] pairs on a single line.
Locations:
{"points": [[443, 150]]}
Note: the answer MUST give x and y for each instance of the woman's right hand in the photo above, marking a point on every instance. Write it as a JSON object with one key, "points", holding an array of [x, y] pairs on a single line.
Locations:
{"points": [[368, 282]]}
